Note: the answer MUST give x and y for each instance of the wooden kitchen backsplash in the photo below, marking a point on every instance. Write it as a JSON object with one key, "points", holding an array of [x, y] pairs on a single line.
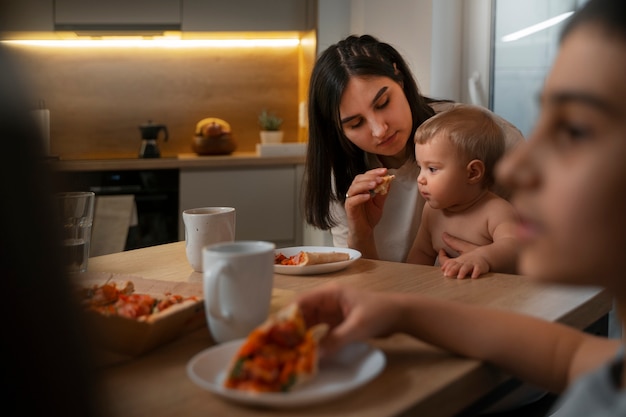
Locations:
{"points": [[98, 97]]}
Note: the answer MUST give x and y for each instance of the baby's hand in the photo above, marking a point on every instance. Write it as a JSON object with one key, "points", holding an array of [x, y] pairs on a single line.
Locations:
{"points": [[466, 265]]}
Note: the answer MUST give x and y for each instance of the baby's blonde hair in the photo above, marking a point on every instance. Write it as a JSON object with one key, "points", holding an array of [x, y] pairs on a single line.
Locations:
{"points": [[472, 130]]}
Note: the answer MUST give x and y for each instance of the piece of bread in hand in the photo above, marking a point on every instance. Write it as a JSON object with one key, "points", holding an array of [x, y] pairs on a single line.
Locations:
{"points": [[383, 187]]}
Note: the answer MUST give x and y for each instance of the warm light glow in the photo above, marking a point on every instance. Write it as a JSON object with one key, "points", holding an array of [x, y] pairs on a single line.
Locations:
{"points": [[536, 28], [136, 42]]}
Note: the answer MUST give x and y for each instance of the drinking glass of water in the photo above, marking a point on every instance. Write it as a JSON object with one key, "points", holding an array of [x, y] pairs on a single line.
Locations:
{"points": [[76, 212]]}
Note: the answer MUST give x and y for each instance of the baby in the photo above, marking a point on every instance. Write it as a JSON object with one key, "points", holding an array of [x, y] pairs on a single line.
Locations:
{"points": [[457, 151]]}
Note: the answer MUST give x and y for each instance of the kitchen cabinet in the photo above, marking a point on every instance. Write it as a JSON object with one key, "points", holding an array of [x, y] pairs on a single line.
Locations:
{"points": [[27, 15], [248, 15], [80, 14], [188, 15], [266, 199]]}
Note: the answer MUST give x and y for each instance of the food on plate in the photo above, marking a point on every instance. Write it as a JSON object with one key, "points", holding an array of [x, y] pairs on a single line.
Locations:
{"points": [[109, 300], [383, 187], [303, 258], [279, 355]]}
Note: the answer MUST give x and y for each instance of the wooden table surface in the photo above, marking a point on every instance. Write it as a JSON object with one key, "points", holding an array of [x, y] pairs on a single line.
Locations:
{"points": [[418, 379]]}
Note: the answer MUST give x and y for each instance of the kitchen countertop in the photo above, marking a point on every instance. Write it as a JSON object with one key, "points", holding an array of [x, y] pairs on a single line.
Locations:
{"points": [[181, 161]]}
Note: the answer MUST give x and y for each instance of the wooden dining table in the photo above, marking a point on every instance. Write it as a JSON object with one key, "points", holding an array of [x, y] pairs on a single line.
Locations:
{"points": [[418, 379]]}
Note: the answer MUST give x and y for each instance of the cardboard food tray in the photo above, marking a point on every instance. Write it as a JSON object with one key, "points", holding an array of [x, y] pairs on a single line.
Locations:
{"points": [[132, 337]]}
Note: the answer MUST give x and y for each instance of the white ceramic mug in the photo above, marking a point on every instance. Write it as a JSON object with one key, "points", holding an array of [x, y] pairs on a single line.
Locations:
{"points": [[205, 226], [237, 284]]}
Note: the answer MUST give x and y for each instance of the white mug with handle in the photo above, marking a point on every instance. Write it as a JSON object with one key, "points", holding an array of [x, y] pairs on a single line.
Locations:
{"points": [[237, 285], [205, 226]]}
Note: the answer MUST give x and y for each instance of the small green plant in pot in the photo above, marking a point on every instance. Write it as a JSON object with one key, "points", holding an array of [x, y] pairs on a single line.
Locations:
{"points": [[269, 121], [270, 127]]}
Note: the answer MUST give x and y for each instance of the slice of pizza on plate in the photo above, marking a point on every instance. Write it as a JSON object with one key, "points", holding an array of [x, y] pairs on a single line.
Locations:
{"points": [[304, 258], [279, 355]]}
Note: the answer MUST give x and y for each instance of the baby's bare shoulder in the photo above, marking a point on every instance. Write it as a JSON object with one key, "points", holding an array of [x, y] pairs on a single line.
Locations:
{"points": [[501, 215], [495, 202]]}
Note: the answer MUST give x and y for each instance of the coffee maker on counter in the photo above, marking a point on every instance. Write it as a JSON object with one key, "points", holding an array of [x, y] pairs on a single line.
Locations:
{"points": [[149, 136]]}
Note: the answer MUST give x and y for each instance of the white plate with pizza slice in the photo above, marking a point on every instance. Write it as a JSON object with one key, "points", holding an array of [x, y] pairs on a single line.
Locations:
{"points": [[319, 268], [349, 369]]}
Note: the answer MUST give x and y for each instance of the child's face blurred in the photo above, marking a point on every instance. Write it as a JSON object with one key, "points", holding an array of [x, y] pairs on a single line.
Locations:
{"points": [[570, 179]]}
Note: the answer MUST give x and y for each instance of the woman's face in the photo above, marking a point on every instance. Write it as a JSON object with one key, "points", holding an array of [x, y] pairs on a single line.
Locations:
{"points": [[375, 115], [570, 178]]}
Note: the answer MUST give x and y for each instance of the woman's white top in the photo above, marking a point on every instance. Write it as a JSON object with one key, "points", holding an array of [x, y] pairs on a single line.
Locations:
{"points": [[401, 217]]}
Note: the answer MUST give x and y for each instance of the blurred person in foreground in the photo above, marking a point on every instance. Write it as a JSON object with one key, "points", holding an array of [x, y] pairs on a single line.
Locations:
{"points": [[569, 185], [47, 369]]}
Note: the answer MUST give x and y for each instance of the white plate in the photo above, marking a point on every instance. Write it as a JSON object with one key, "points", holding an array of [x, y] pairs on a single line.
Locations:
{"points": [[349, 369], [315, 269]]}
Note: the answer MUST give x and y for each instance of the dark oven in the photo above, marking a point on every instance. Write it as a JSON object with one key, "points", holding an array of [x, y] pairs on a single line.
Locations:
{"points": [[155, 195]]}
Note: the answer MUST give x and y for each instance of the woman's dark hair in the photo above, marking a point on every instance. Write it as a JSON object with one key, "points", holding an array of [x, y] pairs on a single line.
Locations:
{"points": [[609, 15], [330, 154]]}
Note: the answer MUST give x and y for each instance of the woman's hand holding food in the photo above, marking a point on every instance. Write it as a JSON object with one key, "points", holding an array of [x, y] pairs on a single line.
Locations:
{"points": [[364, 210]]}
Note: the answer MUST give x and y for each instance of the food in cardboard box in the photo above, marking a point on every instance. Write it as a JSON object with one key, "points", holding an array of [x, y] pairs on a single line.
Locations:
{"points": [[122, 336], [109, 300]]}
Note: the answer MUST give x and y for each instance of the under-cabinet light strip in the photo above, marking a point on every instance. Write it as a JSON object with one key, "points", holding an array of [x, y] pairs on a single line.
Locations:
{"points": [[157, 43]]}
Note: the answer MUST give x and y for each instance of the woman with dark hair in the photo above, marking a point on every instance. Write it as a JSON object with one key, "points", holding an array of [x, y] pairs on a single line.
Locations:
{"points": [[364, 107]]}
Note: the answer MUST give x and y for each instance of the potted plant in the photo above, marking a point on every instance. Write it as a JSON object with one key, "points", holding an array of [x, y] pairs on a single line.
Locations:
{"points": [[270, 127]]}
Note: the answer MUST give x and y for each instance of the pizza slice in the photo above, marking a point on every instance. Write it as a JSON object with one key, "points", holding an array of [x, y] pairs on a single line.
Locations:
{"points": [[303, 258], [383, 187], [277, 356], [110, 300]]}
